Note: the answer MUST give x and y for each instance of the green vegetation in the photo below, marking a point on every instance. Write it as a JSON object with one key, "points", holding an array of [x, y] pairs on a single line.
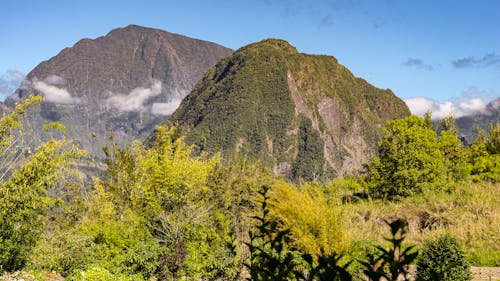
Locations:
{"points": [[391, 264], [443, 259], [309, 163], [409, 161], [241, 104], [289, 110], [24, 198], [165, 211]]}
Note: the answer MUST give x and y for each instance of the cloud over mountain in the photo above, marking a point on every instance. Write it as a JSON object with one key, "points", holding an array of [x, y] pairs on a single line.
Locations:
{"points": [[134, 101], [55, 94], [471, 101], [439, 110]]}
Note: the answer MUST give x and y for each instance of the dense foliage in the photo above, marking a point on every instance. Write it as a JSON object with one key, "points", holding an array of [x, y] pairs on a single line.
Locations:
{"points": [[161, 211], [443, 259], [24, 198], [291, 111], [414, 159], [409, 160], [309, 162]]}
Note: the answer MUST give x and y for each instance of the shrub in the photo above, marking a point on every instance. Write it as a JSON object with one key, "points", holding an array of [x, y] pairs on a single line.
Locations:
{"points": [[442, 259]]}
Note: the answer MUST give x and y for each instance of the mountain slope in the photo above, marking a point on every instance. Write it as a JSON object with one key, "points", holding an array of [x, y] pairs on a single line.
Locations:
{"points": [[122, 83], [467, 125], [307, 116]]}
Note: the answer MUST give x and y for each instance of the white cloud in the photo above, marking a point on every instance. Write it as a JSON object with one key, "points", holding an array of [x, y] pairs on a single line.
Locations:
{"points": [[54, 94], [134, 101], [464, 107], [54, 80], [165, 108]]}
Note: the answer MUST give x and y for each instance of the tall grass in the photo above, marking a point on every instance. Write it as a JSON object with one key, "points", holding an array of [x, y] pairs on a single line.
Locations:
{"points": [[470, 213]]}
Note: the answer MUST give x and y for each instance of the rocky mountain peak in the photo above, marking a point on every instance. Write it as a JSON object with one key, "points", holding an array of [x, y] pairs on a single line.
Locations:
{"points": [[123, 83]]}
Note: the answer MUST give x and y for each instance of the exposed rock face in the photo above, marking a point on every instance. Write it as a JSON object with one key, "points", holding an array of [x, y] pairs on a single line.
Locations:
{"points": [[307, 116], [123, 83]]}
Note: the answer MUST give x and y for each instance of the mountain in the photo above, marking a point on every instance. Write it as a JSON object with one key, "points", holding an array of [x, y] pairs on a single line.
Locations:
{"points": [[467, 125], [124, 83], [306, 116]]}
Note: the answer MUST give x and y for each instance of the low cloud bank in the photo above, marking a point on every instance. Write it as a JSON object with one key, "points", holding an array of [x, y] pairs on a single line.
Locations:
{"points": [[135, 100], [55, 80], [421, 105], [473, 101], [53, 89], [54, 94], [48, 87]]}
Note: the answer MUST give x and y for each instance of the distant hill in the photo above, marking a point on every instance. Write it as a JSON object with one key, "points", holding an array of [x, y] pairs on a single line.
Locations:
{"points": [[467, 125], [124, 83], [306, 116]]}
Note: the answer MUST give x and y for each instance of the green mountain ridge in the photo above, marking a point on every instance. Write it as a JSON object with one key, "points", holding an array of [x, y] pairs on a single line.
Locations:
{"points": [[306, 116]]}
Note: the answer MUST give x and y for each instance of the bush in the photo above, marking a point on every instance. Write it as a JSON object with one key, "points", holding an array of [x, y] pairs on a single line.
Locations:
{"points": [[442, 259]]}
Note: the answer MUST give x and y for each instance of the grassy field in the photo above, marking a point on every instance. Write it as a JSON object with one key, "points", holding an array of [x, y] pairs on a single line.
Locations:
{"points": [[471, 213]]}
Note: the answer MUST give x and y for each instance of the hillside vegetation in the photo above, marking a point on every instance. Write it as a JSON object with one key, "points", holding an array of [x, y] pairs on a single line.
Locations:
{"points": [[164, 212]]}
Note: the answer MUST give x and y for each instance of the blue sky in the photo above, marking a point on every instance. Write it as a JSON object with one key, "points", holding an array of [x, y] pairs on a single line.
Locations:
{"points": [[440, 50]]}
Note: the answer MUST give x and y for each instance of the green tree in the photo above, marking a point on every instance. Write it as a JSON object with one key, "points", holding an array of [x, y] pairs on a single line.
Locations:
{"points": [[493, 141], [316, 226], [275, 256], [453, 152], [163, 191], [309, 162], [24, 198], [484, 156], [327, 268], [409, 160]]}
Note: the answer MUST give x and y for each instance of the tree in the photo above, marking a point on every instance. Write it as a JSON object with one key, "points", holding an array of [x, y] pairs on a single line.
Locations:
{"points": [[493, 141], [484, 155], [452, 150], [409, 161], [274, 255], [327, 268], [24, 198], [163, 191], [308, 164]]}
